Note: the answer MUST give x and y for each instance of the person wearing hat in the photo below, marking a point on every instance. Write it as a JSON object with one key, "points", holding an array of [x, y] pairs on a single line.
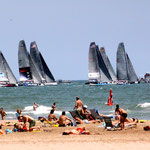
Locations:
{"points": [[85, 113]]}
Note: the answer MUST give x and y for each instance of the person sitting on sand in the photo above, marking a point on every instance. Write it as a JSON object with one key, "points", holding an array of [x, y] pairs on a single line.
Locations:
{"points": [[85, 113], [35, 106], [29, 119], [63, 120], [52, 118], [123, 115], [54, 106], [3, 114], [77, 131]]}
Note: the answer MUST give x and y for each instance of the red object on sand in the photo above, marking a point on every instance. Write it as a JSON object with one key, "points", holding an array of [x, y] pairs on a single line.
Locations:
{"points": [[110, 99]]}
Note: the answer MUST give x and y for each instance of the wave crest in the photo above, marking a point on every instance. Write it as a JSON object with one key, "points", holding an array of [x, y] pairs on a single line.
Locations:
{"points": [[144, 105]]}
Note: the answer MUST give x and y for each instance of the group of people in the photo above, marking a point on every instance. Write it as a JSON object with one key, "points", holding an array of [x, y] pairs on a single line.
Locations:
{"points": [[83, 116]]}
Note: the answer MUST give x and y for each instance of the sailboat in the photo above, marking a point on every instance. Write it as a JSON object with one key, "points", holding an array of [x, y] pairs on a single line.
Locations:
{"points": [[45, 73], [7, 77], [97, 70], [125, 70], [28, 72]]}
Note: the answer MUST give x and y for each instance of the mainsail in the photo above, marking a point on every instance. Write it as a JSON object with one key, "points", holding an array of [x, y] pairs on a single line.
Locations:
{"points": [[5, 71], [27, 68], [93, 67], [108, 64], [104, 73], [41, 64], [132, 77], [121, 63], [125, 70]]}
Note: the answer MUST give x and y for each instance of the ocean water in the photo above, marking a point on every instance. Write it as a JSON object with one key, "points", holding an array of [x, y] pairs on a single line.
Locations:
{"points": [[134, 98]]}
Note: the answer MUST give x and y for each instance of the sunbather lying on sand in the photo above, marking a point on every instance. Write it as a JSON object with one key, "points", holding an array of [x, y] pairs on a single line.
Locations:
{"points": [[85, 121], [77, 131]]}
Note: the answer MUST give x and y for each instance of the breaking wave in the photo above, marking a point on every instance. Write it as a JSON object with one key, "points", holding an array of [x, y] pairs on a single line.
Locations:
{"points": [[144, 105]]}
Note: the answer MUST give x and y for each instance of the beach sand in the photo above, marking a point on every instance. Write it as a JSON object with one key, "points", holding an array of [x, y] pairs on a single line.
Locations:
{"points": [[52, 138]]}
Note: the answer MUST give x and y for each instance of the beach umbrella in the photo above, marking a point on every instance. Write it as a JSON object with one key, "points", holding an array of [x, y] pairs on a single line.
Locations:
{"points": [[110, 99]]}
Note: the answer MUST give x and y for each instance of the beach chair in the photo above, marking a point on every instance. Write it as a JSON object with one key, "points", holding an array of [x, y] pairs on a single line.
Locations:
{"points": [[109, 125], [95, 115], [75, 113]]}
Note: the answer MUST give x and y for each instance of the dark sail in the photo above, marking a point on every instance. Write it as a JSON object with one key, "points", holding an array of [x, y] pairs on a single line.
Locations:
{"points": [[104, 73], [93, 67], [48, 75], [5, 71], [121, 63], [35, 55], [108, 64], [132, 77]]}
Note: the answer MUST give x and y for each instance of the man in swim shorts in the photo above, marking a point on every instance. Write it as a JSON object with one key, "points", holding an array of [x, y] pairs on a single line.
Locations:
{"points": [[63, 120], [26, 119]]}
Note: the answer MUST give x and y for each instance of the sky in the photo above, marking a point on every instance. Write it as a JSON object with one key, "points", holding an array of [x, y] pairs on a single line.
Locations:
{"points": [[64, 29]]}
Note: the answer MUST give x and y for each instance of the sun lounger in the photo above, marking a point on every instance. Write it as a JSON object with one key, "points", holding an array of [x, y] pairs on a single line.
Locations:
{"points": [[95, 115], [109, 125], [75, 113]]}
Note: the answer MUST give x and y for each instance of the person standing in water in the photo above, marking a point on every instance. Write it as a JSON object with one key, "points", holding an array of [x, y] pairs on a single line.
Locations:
{"points": [[3, 113], [54, 106], [123, 115], [35, 106]]}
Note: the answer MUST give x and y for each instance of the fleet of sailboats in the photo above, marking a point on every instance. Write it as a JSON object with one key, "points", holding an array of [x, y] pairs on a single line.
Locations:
{"points": [[33, 69], [101, 72]]}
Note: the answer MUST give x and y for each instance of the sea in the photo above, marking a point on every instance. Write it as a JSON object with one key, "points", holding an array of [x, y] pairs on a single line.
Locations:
{"points": [[134, 98]]}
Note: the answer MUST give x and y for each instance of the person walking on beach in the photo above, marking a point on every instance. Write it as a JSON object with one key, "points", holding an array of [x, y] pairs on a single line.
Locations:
{"points": [[3, 114], [123, 115], [28, 119], [78, 104], [35, 106], [54, 106], [63, 120]]}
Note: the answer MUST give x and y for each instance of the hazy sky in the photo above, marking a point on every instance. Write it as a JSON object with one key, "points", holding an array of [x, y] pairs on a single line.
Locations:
{"points": [[63, 30]]}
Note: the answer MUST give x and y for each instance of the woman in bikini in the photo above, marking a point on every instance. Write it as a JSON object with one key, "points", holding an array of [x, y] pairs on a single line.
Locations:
{"points": [[123, 115]]}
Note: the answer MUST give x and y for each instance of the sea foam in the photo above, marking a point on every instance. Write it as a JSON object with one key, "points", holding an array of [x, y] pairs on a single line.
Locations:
{"points": [[144, 105]]}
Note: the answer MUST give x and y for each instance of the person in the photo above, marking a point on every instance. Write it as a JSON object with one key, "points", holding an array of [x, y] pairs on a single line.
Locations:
{"points": [[18, 113], [29, 119], [85, 113], [35, 106], [52, 118], [3, 113], [77, 131], [54, 106], [78, 104], [63, 120], [123, 115]]}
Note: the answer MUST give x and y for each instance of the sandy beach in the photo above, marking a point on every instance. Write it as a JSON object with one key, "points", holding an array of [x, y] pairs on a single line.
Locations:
{"points": [[100, 138]]}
